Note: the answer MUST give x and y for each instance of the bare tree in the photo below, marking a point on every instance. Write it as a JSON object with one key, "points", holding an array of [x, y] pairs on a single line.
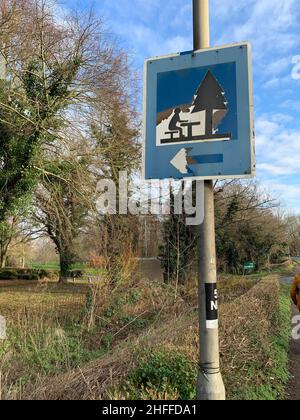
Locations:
{"points": [[54, 71], [293, 232], [62, 205], [65, 84]]}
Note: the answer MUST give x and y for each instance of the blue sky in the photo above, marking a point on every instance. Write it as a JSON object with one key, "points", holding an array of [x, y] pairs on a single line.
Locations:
{"points": [[154, 27]]}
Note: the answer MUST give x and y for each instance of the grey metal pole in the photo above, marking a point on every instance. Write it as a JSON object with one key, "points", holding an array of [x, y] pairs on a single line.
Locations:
{"points": [[210, 384]]}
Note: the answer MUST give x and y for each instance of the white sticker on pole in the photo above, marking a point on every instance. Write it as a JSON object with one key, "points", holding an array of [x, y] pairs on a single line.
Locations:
{"points": [[2, 328], [212, 317]]}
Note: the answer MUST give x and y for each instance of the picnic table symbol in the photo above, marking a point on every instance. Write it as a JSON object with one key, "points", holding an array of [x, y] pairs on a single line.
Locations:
{"points": [[208, 109]]}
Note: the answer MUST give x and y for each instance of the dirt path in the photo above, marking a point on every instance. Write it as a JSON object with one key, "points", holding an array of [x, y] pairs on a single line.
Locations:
{"points": [[293, 388]]}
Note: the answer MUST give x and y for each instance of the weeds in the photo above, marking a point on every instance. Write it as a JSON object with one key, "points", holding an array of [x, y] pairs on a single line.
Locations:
{"points": [[256, 364], [162, 373], [142, 344]]}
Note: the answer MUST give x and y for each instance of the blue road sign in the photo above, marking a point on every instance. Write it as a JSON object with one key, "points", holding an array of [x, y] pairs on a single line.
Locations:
{"points": [[198, 115]]}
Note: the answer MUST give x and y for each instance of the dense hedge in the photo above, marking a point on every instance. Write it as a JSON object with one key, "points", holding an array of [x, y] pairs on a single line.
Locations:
{"points": [[26, 274]]}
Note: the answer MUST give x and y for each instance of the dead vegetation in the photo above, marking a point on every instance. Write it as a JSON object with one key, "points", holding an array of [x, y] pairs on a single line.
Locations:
{"points": [[248, 323]]}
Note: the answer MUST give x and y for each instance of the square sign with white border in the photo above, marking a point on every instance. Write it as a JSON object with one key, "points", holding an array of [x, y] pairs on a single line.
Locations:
{"points": [[198, 115]]}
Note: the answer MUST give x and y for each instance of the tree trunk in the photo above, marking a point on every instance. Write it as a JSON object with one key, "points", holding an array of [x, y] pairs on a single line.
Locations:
{"points": [[65, 266], [2, 259]]}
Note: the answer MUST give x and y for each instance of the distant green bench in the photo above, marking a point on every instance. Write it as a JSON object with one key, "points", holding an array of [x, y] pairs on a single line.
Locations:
{"points": [[249, 266]]}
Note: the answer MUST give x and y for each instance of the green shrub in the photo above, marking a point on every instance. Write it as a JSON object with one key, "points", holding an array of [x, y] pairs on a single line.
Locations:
{"points": [[160, 372], [8, 274], [25, 274], [28, 275]]}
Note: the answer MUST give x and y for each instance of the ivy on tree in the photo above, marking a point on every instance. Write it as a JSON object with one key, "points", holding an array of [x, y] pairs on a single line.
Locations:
{"points": [[29, 114]]}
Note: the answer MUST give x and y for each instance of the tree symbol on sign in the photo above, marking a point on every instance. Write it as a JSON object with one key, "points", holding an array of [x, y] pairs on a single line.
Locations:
{"points": [[210, 97]]}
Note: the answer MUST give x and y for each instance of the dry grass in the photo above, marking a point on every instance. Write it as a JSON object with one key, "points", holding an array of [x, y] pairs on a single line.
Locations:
{"points": [[18, 298], [98, 378], [41, 320], [246, 327]]}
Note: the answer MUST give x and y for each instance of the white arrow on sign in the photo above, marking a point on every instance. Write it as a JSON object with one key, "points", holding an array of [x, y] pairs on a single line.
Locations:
{"points": [[183, 160], [180, 161]]}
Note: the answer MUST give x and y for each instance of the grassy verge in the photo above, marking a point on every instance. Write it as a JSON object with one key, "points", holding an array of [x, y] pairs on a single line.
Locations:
{"points": [[143, 341], [274, 376], [254, 344]]}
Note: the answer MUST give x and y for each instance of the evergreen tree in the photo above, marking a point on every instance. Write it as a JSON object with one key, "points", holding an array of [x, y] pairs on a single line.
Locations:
{"points": [[178, 251], [209, 97]]}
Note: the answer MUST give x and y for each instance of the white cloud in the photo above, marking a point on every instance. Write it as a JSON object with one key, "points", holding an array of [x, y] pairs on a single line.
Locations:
{"points": [[272, 83], [270, 25], [288, 194], [153, 43], [266, 127], [167, 23], [221, 8], [176, 44], [291, 105], [296, 68], [278, 148], [278, 66], [277, 82], [271, 169], [283, 118]]}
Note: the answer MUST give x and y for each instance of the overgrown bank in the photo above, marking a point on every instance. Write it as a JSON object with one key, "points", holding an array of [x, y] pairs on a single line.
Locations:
{"points": [[255, 342], [160, 360]]}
